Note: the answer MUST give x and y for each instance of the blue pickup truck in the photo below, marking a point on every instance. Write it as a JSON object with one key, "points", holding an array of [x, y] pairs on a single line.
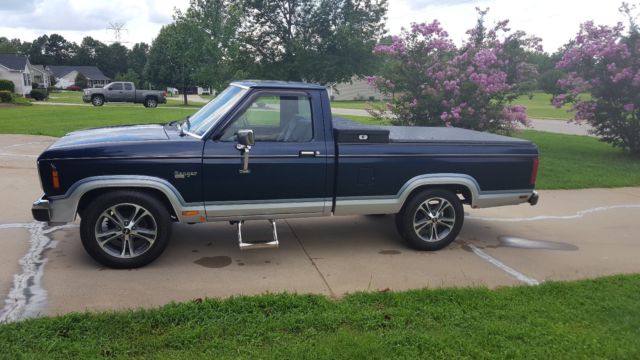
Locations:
{"points": [[269, 150]]}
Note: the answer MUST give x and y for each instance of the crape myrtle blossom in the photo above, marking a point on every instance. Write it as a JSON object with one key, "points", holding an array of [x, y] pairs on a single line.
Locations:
{"points": [[604, 61], [434, 83]]}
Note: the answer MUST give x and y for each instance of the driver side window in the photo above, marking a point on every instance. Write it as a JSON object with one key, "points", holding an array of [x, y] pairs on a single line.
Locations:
{"points": [[282, 118]]}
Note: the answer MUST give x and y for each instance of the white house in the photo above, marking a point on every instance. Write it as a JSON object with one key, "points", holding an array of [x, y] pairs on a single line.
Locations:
{"points": [[40, 76], [356, 89], [17, 69], [66, 75]]}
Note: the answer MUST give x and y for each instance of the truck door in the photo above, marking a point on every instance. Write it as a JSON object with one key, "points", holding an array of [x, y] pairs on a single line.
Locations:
{"points": [[287, 170], [129, 93], [114, 92]]}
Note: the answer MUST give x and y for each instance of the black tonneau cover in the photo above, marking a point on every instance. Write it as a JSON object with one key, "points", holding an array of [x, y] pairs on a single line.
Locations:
{"points": [[347, 131]]}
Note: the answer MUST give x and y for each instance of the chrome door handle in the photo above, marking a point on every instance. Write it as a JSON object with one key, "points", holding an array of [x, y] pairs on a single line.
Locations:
{"points": [[307, 153]]}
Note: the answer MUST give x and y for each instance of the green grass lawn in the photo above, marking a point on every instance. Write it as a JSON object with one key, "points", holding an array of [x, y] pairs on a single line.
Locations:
{"points": [[59, 120], [66, 97], [574, 320], [575, 162], [538, 106]]}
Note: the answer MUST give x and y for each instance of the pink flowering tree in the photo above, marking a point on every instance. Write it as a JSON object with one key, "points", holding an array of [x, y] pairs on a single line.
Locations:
{"points": [[434, 83], [605, 62]]}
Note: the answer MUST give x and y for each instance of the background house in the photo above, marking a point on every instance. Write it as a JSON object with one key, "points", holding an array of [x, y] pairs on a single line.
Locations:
{"points": [[66, 75], [40, 76], [17, 69]]}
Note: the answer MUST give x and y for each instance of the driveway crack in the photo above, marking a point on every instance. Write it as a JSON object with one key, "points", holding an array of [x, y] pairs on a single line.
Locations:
{"points": [[324, 279]]}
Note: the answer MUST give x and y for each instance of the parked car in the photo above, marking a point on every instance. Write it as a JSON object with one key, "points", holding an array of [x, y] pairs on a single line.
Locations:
{"points": [[123, 92], [266, 150]]}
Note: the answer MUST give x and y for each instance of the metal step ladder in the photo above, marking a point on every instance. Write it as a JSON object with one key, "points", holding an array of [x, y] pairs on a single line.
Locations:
{"points": [[258, 244]]}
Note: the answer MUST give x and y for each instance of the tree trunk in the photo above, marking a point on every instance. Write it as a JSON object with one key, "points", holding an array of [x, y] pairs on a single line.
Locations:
{"points": [[184, 94]]}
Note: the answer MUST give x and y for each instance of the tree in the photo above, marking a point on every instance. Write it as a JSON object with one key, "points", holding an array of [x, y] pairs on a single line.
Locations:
{"points": [[323, 41], [89, 51], [219, 21], [472, 86], [7, 46], [175, 56], [112, 59], [81, 81], [605, 62], [137, 59], [130, 75], [51, 49]]}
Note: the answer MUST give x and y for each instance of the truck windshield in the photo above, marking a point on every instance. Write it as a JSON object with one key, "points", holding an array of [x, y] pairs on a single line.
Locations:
{"points": [[200, 122]]}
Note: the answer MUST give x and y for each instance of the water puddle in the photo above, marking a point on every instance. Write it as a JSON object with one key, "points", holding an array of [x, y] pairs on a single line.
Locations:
{"points": [[214, 262], [522, 243]]}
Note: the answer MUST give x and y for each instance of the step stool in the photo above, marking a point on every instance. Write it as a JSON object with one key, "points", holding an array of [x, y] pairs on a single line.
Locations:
{"points": [[258, 244]]}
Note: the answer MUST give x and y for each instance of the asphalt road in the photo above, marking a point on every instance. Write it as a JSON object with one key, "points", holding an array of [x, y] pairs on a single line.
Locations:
{"points": [[569, 235]]}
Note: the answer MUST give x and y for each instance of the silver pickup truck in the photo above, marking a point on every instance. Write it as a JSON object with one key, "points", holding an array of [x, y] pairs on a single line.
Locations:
{"points": [[123, 92]]}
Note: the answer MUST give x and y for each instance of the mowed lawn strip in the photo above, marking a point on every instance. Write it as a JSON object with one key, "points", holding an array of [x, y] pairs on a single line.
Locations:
{"points": [[58, 120], [597, 318], [538, 106], [566, 161]]}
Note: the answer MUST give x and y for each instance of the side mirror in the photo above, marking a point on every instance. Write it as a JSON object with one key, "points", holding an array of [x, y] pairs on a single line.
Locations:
{"points": [[245, 142], [245, 137]]}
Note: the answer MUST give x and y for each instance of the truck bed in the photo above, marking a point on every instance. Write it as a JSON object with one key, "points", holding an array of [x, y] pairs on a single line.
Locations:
{"points": [[348, 131]]}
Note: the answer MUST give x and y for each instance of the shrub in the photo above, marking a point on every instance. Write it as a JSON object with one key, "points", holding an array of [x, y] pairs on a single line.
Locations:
{"points": [[74, 88], [7, 85], [605, 61], [435, 83], [81, 81], [19, 100], [6, 96], [39, 94], [35, 85]]}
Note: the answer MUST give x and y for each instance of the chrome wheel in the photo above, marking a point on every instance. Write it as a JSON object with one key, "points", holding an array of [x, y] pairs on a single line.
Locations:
{"points": [[152, 103], [126, 230], [434, 219], [97, 101]]}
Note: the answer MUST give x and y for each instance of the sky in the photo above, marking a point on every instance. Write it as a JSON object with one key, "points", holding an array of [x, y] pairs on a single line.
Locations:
{"points": [[555, 21]]}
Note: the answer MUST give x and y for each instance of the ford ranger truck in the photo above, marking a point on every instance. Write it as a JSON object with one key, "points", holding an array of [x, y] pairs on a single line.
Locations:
{"points": [[123, 92], [269, 150]]}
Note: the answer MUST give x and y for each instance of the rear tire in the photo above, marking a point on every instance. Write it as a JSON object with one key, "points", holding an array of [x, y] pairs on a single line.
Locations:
{"points": [[150, 102], [125, 229], [431, 219]]}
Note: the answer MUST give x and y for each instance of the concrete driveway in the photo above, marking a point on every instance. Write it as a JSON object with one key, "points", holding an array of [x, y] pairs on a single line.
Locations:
{"points": [[569, 235]]}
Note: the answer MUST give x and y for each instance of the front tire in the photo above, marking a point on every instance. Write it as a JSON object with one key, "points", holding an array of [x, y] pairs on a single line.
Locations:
{"points": [[431, 219], [125, 229], [97, 101]]}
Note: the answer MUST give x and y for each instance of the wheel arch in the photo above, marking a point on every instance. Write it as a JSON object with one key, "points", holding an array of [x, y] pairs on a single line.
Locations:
{"points": [[89, 196], [459, 184], [150, 96], [65, 207]]}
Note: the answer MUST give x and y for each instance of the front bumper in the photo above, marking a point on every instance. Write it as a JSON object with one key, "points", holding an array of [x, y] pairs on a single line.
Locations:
{"points": [[41, 210], [86, 98]]}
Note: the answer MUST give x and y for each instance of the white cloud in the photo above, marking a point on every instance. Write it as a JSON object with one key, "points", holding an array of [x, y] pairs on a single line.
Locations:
{"points": [[555, 21], [75, 19]]}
